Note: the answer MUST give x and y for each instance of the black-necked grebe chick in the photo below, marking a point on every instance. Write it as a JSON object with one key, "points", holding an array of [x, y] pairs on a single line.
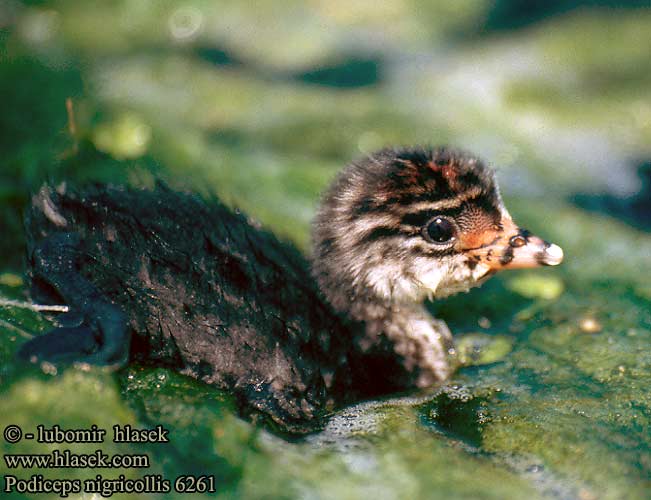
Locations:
{"points": [[405, 225]]}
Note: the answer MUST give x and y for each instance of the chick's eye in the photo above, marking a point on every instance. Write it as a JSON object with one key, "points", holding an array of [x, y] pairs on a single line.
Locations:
{"points": [[440, 230]]}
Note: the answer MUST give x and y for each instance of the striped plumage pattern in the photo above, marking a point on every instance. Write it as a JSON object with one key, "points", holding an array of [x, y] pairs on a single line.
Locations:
{"points": [[403, 225], [368, 235]]}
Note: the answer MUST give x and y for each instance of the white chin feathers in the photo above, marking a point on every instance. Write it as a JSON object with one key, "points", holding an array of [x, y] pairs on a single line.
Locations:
{"points": [[423, 280]]}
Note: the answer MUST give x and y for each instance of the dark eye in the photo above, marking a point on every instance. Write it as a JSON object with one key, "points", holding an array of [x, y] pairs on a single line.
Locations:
{"points": [[439, 230]]}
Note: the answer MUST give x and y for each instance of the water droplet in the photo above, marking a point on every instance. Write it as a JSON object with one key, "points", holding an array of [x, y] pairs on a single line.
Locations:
{"points": [[588, 324], [185, 23]]}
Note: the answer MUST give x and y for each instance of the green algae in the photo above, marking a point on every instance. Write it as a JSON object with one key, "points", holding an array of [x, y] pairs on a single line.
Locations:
{"points": [[482, 349], [536, 285], [542, 409], [125, 137], [74, 400]]}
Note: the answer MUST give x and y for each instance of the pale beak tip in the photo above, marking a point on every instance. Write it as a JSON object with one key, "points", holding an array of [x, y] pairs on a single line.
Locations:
{"points": [[553, 255]]}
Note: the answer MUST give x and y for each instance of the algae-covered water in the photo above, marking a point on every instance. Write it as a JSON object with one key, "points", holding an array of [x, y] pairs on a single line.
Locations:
{"points": [[262, 103]]}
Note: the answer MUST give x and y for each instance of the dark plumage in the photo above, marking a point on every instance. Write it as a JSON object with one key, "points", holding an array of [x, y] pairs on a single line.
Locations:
{"points": [[168, 278], [203, 290]]}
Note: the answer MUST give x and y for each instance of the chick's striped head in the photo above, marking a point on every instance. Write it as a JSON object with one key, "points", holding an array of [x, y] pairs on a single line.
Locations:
{"points": [[406, 224]]}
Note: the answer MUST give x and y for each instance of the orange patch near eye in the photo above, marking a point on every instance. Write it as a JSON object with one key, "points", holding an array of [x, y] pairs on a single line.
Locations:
{"points": [[477, 239], [486, 234]]}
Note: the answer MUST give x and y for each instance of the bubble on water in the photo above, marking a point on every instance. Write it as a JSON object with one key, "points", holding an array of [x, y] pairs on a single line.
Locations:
{"points": [[48, 368], [185, 23], [484, 322], [483, 349]]}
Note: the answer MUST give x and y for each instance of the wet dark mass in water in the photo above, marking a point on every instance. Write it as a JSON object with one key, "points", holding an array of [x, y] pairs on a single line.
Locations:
{"points": [[168, 278]]}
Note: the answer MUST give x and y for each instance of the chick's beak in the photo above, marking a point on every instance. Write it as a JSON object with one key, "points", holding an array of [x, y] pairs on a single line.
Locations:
{"points": [[515, 248]]}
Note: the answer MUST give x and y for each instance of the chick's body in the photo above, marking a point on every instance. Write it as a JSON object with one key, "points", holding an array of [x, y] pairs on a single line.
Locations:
{"points": [[171, 279]]}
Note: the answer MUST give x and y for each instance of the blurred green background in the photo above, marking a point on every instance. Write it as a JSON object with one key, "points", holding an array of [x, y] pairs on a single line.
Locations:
{"points": [[262, 103]]}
